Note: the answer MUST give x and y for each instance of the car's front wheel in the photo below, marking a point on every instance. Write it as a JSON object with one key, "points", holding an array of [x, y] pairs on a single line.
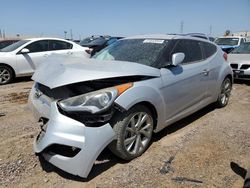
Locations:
{"points": [[225, 92], [134, 130], [6, 75]]}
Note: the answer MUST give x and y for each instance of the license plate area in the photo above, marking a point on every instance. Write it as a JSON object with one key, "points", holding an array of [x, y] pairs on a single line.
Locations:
{"points": [[238, 72]]}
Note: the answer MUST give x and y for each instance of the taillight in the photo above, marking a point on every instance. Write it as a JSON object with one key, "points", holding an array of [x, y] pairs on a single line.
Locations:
{"points": [[225, 56]]}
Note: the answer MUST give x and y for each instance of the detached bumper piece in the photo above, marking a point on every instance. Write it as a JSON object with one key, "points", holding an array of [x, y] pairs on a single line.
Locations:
{"points": [[69, 144]]}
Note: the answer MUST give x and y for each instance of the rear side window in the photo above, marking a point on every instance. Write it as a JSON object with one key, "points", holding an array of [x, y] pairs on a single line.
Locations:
{"points": [[190, 48], [209, 49], [38, 46], [59, 45]]}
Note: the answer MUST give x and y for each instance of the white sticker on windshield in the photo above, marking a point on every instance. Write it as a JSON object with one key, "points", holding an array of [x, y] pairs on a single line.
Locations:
{"points": [[155, 41]]}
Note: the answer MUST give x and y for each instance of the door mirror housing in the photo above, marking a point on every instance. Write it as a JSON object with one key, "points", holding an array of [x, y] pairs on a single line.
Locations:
{"points": [[177, 58], [24, 51]]}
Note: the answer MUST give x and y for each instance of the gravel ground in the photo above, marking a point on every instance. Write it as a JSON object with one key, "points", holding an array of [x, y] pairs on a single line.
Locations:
{"points": [[194, 152]]}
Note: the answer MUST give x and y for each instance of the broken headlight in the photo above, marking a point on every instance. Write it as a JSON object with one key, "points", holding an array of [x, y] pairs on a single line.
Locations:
{"points": [[94, 102]]}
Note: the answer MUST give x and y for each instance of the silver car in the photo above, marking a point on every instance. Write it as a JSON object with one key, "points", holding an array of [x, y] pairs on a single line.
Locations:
{"points": [[239, 60], [127, 91]]}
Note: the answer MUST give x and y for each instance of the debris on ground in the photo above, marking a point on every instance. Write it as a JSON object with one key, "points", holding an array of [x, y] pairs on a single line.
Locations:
{"points": [[183, 179], [167, 166]]}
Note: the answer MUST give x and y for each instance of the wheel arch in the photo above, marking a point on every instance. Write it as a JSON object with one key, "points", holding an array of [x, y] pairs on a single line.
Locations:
{"points": [[152, 109]]}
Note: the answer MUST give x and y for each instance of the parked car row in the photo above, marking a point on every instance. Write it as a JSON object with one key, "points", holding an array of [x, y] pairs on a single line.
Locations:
{"points": [[97, 43], [122, 94]]}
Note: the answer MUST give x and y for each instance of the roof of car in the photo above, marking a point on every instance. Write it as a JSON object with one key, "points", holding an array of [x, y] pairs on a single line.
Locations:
{"points": [[164, 36], [232, 37], [45, 38]]}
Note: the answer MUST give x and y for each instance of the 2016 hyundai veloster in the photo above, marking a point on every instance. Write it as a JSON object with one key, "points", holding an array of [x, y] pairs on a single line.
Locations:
{"points": [[118, 98]]}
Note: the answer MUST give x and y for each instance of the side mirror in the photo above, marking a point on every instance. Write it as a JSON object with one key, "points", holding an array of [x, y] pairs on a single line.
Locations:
{"points": [[177, 58], [24, 51]]}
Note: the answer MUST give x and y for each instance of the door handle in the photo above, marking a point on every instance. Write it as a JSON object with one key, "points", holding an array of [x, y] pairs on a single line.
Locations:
{"points": [[206, 72], [69, 53], [45, 55]]}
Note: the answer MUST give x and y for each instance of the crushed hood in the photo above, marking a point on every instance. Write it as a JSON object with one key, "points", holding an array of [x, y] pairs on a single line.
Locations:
{"points": [[59, 71]]}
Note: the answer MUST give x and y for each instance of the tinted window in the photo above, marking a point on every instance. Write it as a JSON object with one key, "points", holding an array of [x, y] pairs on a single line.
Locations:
{"points": [[190, 48], [143, 51], [209, 49], [38, 46], [59, 45], [14, 46], [6, 43]]}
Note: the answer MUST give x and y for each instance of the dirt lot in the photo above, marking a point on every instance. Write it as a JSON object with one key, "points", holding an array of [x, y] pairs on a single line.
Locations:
{"points": [[202, 147]]}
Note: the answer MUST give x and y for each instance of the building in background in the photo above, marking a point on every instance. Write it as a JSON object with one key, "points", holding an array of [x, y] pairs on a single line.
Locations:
{"points": [[243, 34]]}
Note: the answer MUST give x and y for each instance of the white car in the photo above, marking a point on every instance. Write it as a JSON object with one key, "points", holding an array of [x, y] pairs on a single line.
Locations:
{"points": [[24, 56]]}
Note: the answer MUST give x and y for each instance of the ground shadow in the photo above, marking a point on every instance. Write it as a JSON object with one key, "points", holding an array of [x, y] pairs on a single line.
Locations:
{"points": [[21, 79], [238, 170], [183, 123], [246, 82], [106, 159]]}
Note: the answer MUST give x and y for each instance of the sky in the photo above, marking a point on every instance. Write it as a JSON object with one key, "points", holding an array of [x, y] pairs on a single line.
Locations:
{"points": [[122, 17]]}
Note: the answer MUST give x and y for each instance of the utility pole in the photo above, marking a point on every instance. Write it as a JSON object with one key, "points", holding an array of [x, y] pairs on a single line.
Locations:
{"points": [[210, 30], [3, 34], [182, 27], [65, 34], [71, 35]]}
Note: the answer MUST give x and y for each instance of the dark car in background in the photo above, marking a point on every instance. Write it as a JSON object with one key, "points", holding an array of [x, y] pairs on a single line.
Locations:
{"points": [[97, 43], [5, 43]]}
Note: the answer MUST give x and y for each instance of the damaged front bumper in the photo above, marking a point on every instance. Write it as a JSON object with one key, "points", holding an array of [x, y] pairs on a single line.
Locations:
{"points": [[64, 131]]}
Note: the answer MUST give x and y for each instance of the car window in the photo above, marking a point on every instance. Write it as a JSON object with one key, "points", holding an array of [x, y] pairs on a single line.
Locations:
{"points": [[14, 46], [59, 45], [242, 49], [3, 44], [190, 48], [143, 51], [227, 41], [242, 41], [38, 46], [209, 49]]}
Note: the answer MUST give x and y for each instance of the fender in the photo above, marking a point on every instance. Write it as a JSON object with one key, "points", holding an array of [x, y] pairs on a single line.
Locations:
{"points": [[144, 94]]}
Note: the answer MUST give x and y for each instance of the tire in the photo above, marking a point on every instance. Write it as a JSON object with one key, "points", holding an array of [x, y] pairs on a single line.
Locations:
{"points": [[134, 130], [225, 92], [6, 75]]}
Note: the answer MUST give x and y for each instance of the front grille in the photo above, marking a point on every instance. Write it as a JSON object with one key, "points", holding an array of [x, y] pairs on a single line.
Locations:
{"points": [[234, 66], [245, 66], [242, 76]]}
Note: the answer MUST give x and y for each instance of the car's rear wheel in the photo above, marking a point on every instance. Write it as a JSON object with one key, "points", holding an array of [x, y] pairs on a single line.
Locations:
{"points": [[134, 131], [6, 75], [225, 92]]}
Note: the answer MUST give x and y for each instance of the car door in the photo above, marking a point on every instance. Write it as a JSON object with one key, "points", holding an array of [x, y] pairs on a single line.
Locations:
{"points": [[27, 63], [184, 86], [214, 63], [61, 47]]}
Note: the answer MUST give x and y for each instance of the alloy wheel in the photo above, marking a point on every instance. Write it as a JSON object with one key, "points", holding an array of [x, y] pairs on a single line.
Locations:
{"points": [[5, 75], [225, 91], [138, 132]]}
